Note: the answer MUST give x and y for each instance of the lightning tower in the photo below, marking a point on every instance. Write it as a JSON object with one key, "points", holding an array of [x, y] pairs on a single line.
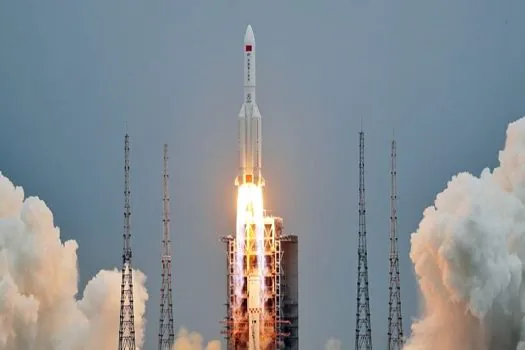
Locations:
{"points": [[126, 339], [363, 330], [395, 320], [166, 333]]}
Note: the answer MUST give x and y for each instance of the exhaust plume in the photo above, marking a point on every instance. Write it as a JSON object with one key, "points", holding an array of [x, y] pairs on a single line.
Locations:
{"points": [[469, 255], [193, 341], [333, 344], [38, 285]]}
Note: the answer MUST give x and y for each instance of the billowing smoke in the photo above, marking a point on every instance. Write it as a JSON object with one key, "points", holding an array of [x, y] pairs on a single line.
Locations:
{"points": [[38, 285], [469, 255], [333, 344], [193, 341], [186, 340]]}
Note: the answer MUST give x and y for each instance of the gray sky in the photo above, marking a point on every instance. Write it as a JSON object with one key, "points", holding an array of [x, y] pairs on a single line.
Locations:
{"points": [[449, 75]]}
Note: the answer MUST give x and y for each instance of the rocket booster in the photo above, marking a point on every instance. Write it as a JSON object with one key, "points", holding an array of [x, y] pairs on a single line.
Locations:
{"points": [[250, 128], [254, 313]]}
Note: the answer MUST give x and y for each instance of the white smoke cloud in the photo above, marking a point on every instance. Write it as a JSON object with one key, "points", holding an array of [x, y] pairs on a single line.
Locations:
{"points": [[38, 285], [186, 340], [469, 255], [333, 344]]}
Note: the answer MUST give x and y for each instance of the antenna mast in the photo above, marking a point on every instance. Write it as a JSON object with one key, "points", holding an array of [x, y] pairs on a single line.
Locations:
{"points": [[126, 340], [363, 329], [166, 333], [395, 319]]}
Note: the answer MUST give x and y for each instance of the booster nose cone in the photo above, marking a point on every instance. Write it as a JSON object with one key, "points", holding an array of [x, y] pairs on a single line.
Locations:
{"points": [[249, 38]]}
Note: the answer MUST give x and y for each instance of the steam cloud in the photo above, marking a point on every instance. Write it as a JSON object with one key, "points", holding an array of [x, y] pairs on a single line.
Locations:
{"points": [[332, 344], [193, 341], [186, 340], [469, 255], [38, 285]]}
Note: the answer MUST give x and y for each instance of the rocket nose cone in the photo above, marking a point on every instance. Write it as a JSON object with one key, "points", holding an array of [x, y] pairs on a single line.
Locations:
{"points": [[249, 38]]}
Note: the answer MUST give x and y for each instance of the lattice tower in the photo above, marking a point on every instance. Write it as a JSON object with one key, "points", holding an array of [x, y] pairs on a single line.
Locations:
{"points": [[363, 330], [166, 328], [395, 319], [126, 340]]}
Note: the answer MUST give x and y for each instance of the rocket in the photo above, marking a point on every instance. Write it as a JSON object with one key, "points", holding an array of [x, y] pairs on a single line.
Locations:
{"points": [[250, 128], [250, 163]]}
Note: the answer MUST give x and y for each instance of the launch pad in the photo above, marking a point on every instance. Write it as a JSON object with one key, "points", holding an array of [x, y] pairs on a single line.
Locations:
{"points": [[279, 317]]}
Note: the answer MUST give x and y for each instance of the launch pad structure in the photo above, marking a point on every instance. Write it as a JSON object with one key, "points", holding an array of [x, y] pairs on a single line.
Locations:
{"points": [[280, 326]]}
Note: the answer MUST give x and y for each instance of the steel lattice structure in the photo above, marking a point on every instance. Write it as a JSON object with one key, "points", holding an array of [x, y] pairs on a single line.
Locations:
{"points": [[363, 329], [126, 340], [282, 317], [395, 319], [166, 328]]}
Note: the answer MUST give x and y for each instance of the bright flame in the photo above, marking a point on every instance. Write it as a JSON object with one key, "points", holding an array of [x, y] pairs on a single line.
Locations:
{"points": [[250, 228]]}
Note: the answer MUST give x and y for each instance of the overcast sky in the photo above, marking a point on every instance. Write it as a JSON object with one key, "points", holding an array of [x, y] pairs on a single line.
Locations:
{"points": [[448, 75]]}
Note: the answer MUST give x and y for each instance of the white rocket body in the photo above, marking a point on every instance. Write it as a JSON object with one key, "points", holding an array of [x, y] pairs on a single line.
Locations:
{"points": [[250, 164], [250, 128], [254, 312]]}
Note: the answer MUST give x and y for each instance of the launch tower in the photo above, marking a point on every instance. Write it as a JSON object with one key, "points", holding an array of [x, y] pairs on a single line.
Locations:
{"points": [[281, 299]]}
